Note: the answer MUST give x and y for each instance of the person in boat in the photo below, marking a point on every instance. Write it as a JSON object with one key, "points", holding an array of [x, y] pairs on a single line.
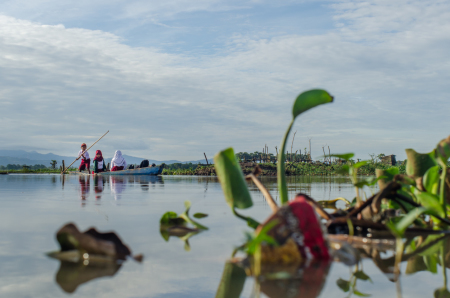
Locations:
{"points": [[99, 163], [85, 159], [118, 163]]}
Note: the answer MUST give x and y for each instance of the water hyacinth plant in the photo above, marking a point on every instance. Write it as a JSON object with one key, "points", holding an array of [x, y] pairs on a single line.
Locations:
{"points": [[406, 205]]}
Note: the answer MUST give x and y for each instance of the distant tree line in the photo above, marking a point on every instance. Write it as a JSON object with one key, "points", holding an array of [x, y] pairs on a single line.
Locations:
{"points": [[20, 167]]}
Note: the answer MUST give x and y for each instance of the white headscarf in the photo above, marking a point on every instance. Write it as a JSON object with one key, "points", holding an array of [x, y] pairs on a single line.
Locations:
{"points": [[118, 159]]}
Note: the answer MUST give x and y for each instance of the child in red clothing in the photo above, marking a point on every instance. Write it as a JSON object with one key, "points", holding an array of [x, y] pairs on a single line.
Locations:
{"points": [[99, 163], [86, 160]]}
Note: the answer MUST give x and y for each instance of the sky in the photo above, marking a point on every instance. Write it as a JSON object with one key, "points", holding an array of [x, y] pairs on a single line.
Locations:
{"points": [[174, 79]]}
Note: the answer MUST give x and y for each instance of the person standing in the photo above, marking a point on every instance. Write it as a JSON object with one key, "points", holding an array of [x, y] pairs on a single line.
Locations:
{"points": [[85, 159], [118, 162]]}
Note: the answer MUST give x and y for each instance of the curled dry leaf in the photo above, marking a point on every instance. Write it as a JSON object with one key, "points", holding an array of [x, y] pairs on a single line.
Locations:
{"points": [[91, 245]]}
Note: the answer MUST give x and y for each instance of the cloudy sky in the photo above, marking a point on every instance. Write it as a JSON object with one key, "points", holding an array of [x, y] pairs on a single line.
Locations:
{"points": [[173, 79]]}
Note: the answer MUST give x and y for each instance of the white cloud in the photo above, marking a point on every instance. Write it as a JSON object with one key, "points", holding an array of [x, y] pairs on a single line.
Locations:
{"points": [[385, 63]]}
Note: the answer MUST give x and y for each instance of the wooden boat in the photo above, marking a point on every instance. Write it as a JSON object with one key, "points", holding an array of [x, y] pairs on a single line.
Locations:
{"points": [[140, 171]]}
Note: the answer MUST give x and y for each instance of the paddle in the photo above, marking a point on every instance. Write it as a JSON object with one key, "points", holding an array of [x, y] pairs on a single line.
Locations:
{"points": [[84, 152]]}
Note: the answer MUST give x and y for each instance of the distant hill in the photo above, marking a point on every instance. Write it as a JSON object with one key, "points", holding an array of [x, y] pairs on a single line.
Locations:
{"points": [[34, 158]]}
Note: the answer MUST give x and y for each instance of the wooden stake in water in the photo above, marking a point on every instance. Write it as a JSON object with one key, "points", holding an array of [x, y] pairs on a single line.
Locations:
{"points": [[84, 152]]}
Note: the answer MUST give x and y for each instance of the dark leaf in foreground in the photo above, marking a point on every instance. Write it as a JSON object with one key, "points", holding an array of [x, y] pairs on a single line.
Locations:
{"points": [[92, 242]]}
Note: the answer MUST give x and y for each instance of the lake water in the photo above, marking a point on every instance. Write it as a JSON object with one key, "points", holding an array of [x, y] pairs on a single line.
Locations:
{"points": [[34, 207]]}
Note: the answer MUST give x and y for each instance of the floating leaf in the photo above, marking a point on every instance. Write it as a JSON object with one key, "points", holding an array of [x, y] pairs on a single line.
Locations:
{"points": [[200, 215], [171, 218], [418, 163], [343, 284], [232, 180]]}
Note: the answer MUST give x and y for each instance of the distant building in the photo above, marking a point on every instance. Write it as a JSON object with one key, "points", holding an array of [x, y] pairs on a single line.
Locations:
{"points": [[389, 160]]}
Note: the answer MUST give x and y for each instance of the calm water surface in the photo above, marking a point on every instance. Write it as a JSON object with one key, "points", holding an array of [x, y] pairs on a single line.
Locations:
{"points": [[34, 207]]}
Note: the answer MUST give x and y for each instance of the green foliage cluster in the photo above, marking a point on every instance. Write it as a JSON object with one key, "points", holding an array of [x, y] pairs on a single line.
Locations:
{"points": [[20, 167]]}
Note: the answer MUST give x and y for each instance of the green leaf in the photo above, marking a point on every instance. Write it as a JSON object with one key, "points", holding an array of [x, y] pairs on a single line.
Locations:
{"points": [[305, 101], [171, 218], [200, 215], [343, 284], [360, 164], [345, 156], [368, 182], [431, 262], [442, 293], [361, 275], [345, 169], [232, 282], [418, 163], [398, 229], [187, 205], [431, 179], [232, 180], [388, 175], [310, 99], [443, 150], [358, 293], [431, 202]]}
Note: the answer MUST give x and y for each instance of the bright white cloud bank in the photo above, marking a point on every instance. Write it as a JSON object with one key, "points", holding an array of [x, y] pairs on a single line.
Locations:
{"points": [[386, 63]]}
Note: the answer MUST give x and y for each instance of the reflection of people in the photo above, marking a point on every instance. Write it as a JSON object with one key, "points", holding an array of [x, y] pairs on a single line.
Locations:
{"points": [[99, 183], [118, 162], [85, 159], [117, 186], [99, 163], [84, 186]]}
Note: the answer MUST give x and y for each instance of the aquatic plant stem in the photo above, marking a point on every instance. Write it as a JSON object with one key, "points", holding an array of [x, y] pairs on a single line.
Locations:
{"points": [[281, 168], [442, 189], [398, 255]]}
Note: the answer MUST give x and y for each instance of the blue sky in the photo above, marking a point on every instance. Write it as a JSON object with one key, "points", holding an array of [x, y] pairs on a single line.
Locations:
{"points": [[175, 79]]}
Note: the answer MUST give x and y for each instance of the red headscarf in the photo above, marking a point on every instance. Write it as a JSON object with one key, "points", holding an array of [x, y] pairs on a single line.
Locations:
{"points": [[98, 152]]}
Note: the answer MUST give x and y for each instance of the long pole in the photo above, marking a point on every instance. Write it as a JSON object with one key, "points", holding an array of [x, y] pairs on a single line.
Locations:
{"points": [[85, 151]]}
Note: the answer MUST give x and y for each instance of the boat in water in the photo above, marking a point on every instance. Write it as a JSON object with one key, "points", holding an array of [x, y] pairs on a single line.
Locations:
{"points": [[153, 171]]}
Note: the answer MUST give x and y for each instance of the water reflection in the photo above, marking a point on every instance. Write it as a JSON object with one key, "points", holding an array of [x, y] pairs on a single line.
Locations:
{"points": [[85, 186], [70, 275], [308, 281], [118, 185], [99, 184]]}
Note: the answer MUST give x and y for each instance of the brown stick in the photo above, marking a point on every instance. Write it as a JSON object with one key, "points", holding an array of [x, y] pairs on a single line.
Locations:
{"points": [[206, 158], [272, 204], [317, 206], [382, 194], [293, 142]]}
